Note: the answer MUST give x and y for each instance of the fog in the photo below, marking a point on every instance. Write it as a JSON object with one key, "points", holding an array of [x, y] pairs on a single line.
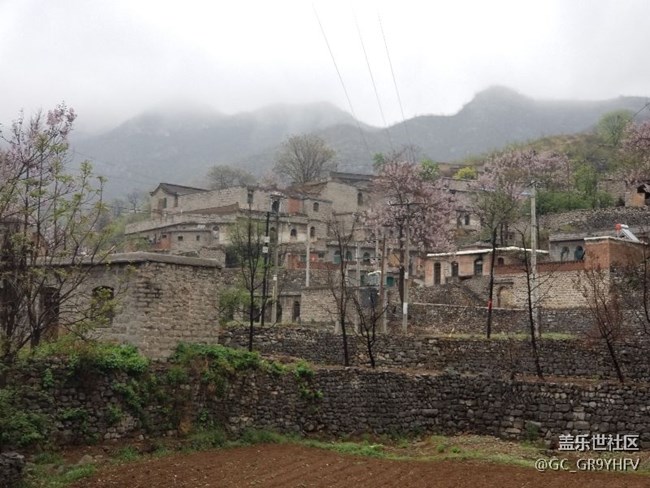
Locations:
{"points": [[112, 60]]}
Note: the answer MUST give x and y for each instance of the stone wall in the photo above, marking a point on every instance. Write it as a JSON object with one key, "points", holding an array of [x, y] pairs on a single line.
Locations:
{"points": [[11, 469], [592, 220], [497, 357], [161, 300], [336, 401], [431, 318]]}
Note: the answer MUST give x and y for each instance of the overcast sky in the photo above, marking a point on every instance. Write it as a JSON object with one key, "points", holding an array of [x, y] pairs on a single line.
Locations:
{"points": [[113, 59]]}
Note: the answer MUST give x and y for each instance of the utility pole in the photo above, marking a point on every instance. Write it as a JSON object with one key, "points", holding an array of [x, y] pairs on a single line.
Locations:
{"points": [[358, 292], [382, 280], [307, 263], [407, 264], [265, 251], [533, 258], [276, 258]]}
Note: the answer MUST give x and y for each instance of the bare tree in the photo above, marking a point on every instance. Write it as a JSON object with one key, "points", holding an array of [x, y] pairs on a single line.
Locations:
{"points": [[369, 310], [304, 158], [249, 248], [500, 191], [532, 307], [633, 286], [223, 176], [604, 306], [49, 233], [338, 279]]}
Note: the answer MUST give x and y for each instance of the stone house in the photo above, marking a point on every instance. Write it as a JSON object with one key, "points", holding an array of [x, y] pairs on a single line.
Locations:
{"points": [[463, 264], [160, 300], [558, 279]]}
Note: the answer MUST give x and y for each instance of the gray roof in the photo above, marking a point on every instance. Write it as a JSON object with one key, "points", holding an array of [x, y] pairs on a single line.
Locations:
{"points": [[178, 189]]}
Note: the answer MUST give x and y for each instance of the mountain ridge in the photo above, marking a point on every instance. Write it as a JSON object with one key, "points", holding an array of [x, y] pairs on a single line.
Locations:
{"points": [[179, 146]]}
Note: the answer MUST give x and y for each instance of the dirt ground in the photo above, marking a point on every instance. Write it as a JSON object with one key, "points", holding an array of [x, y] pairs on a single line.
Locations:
{"points": [[286, 465]]}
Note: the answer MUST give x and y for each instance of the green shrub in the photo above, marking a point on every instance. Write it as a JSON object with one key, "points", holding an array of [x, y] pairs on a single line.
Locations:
{"points": [[302, 370], [113, 415], [19, 427], [84, 355], [202, 440]]}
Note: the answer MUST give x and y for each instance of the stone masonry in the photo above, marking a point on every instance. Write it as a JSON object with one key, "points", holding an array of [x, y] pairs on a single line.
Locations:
{"points": [[161, 300]]}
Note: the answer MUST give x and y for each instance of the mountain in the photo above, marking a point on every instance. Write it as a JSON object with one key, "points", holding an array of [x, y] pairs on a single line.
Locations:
{"points": [[179, 145]]}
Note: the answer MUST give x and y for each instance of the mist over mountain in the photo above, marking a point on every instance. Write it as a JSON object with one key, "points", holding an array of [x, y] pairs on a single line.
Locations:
{"points": [[180, 145]]}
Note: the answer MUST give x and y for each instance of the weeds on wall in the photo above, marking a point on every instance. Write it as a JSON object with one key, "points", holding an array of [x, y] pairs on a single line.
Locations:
{"points": [[155, 398]]}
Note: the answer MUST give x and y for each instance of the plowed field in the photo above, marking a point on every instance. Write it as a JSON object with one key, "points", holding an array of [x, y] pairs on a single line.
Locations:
{"points": [[287, 465]]}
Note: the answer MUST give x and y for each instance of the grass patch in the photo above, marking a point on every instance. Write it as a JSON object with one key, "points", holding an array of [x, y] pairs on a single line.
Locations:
{"points": [[41, 478], [127, 454]]}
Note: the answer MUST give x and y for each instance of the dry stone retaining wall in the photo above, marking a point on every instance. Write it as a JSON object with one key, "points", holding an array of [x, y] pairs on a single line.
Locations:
{"points": [[497, 357], [342, 401]]}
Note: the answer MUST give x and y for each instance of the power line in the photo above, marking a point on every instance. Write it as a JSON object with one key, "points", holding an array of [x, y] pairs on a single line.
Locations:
{"points": [[338, 72], [399, 98], [647, 104], [372, 78]]}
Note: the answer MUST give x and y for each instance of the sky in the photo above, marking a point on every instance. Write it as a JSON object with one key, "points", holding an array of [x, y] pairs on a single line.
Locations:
{"points": [[111, 60]]}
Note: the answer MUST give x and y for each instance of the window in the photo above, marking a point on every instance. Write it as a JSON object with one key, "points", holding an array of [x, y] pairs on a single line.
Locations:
{"points": [[163, 203], [348, 256], [273, 235], [215, 232], [316, 206], [198, 237], [293, 234], [579, 253], [337, 257], [102, 305], [312, 232], [564, 255], [500, 262], [478, 267], [295, 315], [275, 206], [467, 220], [454, 269], [359, 198], [179, 238], [366, 258], [437, 273]]}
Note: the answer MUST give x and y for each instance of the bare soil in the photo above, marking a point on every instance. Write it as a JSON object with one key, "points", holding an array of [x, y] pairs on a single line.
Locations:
{"points": [[288, 465]]}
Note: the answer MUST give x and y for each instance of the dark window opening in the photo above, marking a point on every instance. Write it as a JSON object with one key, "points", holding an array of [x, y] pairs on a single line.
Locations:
{"points": [[312, 232], [293, 234], [366, 258], [295, 315], [102, 307], [564, 255], [478, 267], [579, 253], [179, 238], [316, 206], [467, 220], [437, 273], [454, 269], [359, 198]]}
